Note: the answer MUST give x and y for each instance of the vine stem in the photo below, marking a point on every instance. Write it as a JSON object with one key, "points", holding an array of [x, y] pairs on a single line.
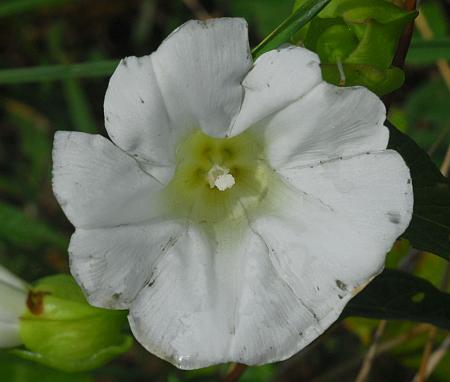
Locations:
{"points": [[436, 357], [197, 9], [405, 40], [370, 355], [384, 347], [236, 371], [403, 45]]}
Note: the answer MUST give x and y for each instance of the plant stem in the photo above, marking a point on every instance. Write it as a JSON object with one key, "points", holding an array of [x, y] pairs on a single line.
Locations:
{"points": [[197, 9], [58, 72], [370, 355], [237, 369]]}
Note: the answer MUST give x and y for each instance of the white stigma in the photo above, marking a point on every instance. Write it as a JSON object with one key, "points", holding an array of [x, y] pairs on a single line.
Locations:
{"points": [[220, 177]]}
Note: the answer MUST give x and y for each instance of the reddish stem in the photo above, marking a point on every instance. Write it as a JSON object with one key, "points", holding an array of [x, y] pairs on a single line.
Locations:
{"points": [[405, 40], [235, 373]]}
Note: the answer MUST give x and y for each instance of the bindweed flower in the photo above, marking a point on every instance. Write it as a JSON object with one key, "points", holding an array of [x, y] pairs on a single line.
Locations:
{"points": [[239, 205], [13, 296]]}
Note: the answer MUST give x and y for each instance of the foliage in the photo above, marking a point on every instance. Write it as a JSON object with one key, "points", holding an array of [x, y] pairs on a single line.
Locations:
{"points": [[363, 37], [14, 369], [429, 229], [401, 296]]}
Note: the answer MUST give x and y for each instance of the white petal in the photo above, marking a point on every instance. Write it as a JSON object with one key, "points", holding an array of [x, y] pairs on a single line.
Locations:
{"points": [[9, 335], [12, 302], [175, 317], [189, 314], [199, 69], [328, 122], [13, 295], [136, 117], [372, 192], [325, 246], [265, 293], [208, 305], [8, 278], [98, 185], [278, 78], [113, 264]]}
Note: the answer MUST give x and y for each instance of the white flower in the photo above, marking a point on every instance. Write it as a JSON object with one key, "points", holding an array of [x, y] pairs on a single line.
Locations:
{"points": [[241, 204], [13, 296]]}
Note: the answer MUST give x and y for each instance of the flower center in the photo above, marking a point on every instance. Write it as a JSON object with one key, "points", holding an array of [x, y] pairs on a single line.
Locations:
{"points": [[220, 177]]}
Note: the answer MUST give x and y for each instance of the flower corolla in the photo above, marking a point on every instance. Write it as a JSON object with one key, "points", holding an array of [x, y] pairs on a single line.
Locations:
{"points": [[240, 204], [13, 296]]}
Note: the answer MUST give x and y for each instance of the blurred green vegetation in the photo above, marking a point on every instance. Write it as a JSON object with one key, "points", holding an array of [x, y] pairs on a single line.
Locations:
{"points": [[33, 231]]}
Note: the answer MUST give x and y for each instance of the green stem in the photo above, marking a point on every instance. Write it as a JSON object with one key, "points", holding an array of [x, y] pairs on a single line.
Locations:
{"points": [[58, 72], [291, 25], [14, 7]]}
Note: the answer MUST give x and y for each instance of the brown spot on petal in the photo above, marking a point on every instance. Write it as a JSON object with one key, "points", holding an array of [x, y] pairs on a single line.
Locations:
{"points": [[394, 217], [341, 285]]}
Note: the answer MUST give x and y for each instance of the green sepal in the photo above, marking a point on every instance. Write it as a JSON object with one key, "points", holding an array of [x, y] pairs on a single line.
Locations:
{"points": [[357, 11], [379, 81], [61, 330], [378, 44], [363, 34]]}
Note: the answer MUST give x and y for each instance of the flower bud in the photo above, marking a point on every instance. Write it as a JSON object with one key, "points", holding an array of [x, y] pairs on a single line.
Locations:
{"points": [[58, 328], [362, 36]]}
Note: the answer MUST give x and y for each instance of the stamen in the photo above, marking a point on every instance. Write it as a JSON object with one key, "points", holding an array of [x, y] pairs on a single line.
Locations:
{"points": [[220, 177], [342, 77]]}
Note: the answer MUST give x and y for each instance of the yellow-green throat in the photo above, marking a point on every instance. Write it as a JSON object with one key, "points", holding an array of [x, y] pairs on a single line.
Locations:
{"points": [[218, 178]]}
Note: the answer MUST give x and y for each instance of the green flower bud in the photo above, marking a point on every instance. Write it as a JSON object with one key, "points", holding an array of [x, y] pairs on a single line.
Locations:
{"points": [[362, 36], [61, 330], [336, 43]]}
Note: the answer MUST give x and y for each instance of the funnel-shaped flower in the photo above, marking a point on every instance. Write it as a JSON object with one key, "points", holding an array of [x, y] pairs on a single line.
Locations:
{"points": [[240, 205], [13, 296]]}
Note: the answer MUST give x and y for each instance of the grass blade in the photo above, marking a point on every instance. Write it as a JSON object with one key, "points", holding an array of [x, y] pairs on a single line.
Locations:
{"points": [[291, 25], [58, 72], [14, 7]]}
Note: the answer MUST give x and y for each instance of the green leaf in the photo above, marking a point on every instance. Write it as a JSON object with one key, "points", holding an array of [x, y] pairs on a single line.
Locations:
{"points": [[265, 373], [291, 25], [362, 35], [429, 229], [263, 15], [35, 146], [428, 114], [378, 44], [78, 106], [380, 81], [435, 13], [25, 232], [426, 52], [357, 11], [58, 72], [14, 369], [14, 7], [396, 295]]}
